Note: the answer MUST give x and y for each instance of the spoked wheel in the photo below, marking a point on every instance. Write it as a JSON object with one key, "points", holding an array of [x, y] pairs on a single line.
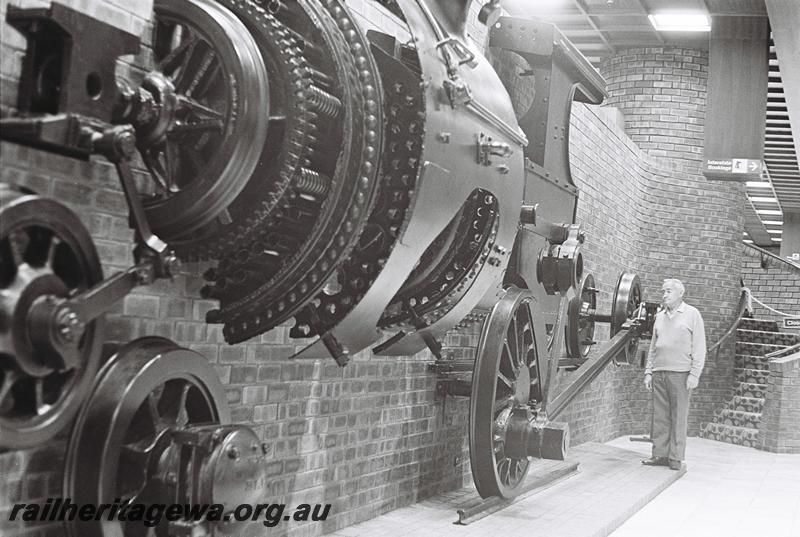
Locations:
{"points": [[580, 325], [627, 297], [149, 386], [211, 86], [45, 254], [506, 378]]}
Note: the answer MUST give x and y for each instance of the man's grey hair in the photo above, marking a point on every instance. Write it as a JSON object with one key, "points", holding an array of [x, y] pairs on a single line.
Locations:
{"points": [[675, 284]]}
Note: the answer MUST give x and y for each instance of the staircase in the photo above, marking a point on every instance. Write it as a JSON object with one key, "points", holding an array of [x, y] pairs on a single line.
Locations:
{"points": [[737, 422]]}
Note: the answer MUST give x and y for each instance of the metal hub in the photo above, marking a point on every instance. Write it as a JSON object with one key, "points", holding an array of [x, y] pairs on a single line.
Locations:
{"points": [[46, 255]]}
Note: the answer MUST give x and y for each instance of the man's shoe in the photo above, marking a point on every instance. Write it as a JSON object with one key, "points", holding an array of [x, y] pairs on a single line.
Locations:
{"points": [[656, 461], [675, 465]]}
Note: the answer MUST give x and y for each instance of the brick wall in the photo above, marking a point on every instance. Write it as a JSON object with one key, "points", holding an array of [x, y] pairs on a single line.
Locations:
{"points": [[779, 430], [662, 92], [773, 282], [371, 437]]}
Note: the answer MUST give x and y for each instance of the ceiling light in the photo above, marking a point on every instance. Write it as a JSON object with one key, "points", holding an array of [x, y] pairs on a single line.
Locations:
{"points": [[758, 184], [677, 21], [772, 222], [759, 199], [775, 231], [769, 211], [748, 241]]}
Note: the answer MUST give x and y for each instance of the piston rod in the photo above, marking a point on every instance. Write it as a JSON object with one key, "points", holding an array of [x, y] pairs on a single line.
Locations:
{"points": [[593, 367]]}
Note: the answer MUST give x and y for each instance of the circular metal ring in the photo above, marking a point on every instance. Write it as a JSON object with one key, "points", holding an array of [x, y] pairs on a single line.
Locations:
{"points": [[506, 378], [627, 296], [580, 325], [150, 385], [211, 86], [45, 253]]}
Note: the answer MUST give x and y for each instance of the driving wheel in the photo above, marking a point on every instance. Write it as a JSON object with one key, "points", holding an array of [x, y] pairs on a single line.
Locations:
{"points": [[212, 94], [506, 378], [150, 388], [627, 297], [46, 254]]}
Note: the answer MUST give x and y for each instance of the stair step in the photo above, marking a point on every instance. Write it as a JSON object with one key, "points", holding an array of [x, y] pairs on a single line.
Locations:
{"points": [[771, 338], [751, 362], [748, 389], [759, 324], [742, 436], [746, 404], [751, 375], [757, 349], [738, 418]]}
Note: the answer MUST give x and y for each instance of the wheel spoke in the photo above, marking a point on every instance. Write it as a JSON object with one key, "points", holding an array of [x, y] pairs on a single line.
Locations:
{"points": [[51, 251], [172, 404], [179, 128], [178, 56], [152, 159], [501, 404], [154, 414], [505, 380], [509, 352], [202, 71], [512, 343], [15, 247], [41, 406], [133, 478], [9, 378]]}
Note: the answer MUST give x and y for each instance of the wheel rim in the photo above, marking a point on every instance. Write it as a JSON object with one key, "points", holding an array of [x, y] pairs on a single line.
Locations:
{"points": [[149, 385], [506, 377], [580, 328], [45, 250], [212, 85], [627, 297]]}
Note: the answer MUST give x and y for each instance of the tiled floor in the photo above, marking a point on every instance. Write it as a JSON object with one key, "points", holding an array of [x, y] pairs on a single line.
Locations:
{"points": [[728, 491]]}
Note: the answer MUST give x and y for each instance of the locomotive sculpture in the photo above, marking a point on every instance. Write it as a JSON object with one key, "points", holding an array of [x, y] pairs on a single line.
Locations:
{"points": [[377, 189]]}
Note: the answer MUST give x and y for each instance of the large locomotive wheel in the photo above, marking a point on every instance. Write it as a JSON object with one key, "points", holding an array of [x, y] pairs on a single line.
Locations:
{"points": [[506, 378], [150, 385], [211, 85], [627, 297], [45, 251]]}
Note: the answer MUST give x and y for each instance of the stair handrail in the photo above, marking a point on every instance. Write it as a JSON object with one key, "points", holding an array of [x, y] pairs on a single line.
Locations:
{"points": [[745, 305], [780, 353], [777, 257]]}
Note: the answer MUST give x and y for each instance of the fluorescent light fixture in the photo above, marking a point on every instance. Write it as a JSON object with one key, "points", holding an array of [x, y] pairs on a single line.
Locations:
{"points": [[680, 21], [772, 222], [758, 184], [760, 199], [769, 211], [775, 231]]}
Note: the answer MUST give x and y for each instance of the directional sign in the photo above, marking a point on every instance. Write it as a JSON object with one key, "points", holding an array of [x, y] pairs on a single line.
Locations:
{"points": [[791, 322], [733, 169]]}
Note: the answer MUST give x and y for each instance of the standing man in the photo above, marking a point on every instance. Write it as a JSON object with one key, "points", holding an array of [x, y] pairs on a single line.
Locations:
{"points": [[674, 363]]}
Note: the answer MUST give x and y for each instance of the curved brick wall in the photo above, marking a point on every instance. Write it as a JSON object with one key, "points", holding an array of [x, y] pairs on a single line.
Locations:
{"points": [[662, 93]]}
